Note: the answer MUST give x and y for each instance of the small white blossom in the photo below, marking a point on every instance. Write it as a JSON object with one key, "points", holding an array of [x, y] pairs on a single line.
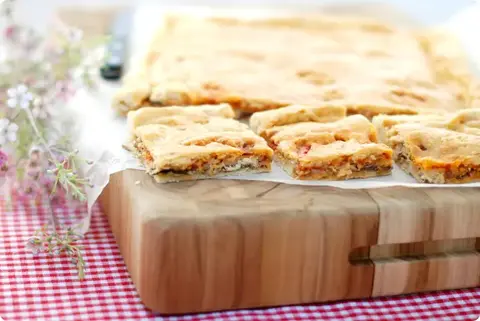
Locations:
{"points": [[19, 97], [8, 131]]}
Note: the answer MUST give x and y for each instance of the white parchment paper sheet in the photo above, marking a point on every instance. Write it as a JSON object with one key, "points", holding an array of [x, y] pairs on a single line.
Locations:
{"points": [[102, 132]]}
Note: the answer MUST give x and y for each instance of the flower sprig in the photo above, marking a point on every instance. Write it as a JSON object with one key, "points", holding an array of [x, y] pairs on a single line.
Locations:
{"points": [[38, 76], [57, 243], [67, 177]]}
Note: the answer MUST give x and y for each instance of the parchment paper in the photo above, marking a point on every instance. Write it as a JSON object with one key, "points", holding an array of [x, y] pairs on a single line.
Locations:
{"points": [[101, 132]]}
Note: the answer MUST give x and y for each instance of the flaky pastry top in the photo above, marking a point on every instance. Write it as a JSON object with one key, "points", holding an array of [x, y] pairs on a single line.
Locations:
{"points": [[355, 127], [389, 98], [334, 151], [438, 147], [464, 121], [466, 117], [199, 60], [261, 121], [177, 136], [171, 147], [176, 115]]}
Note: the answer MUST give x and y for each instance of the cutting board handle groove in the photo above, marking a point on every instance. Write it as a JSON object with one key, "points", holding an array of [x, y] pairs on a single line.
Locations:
{"points": [[413, 251]]}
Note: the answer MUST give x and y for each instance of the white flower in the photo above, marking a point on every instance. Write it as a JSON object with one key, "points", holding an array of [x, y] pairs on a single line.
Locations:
{"points": [[8, 131], [19, 97]]}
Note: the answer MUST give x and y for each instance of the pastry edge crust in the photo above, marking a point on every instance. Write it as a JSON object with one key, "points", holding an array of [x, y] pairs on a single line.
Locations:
{"points": [[262, 121], [175, 177], [288, 165], [125, 101], [432, 176], [172, 178]]}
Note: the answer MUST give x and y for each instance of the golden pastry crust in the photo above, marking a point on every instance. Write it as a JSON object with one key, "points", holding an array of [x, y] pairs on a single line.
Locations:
{"points": [[393, 98], [326, 158], [355, 127], [450, 65], [445, 53], [188, 66], [465, 118], [384, 123], [177, 115], [305, 20], [436, 155], [187, 147], [464, 121], [262, 121], [133, 94], [339, 150]]}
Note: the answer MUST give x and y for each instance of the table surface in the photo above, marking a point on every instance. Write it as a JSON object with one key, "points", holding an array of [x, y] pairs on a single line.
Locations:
{"points": [[46, 288]]}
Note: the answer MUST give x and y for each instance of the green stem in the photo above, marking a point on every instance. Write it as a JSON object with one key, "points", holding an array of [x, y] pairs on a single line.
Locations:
{"points": [[35, 129]]}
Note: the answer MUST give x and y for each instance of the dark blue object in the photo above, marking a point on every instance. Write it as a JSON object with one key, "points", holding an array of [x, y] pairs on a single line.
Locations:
{"points": [[116, 54]]}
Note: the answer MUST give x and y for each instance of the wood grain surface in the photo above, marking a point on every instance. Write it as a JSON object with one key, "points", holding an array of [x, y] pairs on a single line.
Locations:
{"points": [[223, 244], [220, 244]]}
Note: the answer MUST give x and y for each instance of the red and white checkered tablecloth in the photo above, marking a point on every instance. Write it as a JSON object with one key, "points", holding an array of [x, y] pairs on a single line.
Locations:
{"points": [[46, 288]]}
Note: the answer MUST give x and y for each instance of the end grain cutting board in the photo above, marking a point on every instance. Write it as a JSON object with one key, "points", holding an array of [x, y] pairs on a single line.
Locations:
{"points": [[221, 244], [225, 244]]}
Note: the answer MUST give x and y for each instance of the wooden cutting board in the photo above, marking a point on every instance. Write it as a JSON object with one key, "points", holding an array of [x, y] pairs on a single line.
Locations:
{"points": [[224, 244]]}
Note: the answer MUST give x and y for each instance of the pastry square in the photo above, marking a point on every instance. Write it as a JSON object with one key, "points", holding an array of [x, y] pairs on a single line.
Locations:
{"points": [[320, 156], [181, 145], [437, 155], [260, 122], [340, 150], [253, 70]]}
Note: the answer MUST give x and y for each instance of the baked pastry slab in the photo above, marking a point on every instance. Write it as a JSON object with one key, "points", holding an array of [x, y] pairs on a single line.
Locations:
{"points": [[188, 65], [340, 150], [437, 155], [322, 157], [197, 148]]}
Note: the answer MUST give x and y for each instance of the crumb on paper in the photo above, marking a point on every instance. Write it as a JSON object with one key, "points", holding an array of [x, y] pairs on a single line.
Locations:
{"points": [[137, 182]]}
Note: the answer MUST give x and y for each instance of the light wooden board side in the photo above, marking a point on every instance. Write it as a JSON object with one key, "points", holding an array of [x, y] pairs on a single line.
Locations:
{"points": [[220, 244]]}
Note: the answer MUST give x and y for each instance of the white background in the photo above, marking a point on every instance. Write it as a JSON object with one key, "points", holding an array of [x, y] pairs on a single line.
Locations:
{"points": [[429, 11]]}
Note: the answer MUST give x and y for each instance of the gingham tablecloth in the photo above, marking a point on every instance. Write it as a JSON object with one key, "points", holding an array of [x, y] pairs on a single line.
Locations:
{"points": [[46, 288]]}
